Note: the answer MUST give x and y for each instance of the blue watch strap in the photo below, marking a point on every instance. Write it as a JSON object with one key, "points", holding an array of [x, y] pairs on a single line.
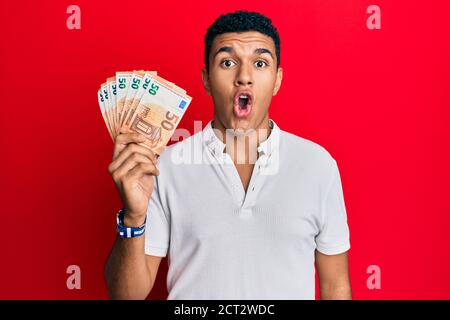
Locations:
{"points": [[128, 232]]}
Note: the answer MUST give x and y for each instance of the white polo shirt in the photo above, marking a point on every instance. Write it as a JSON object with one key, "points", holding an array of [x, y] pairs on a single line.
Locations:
{"points": [[224, 243]]}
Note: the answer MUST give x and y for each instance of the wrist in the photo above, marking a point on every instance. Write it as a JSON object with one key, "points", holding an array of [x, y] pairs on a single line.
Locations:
{"points": [[133, 220], [128, 229]]}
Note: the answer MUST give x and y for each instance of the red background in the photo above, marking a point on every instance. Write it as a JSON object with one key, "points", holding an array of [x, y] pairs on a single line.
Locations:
{"points": [[378, 100]]}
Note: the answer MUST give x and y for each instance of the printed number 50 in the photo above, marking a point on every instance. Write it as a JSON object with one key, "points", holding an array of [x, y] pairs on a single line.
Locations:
{"points": [[167, 123]]}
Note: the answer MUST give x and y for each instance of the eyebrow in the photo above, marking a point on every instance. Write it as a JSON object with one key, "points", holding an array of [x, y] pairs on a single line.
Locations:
{"points": [[264, 50], [231, 50]]}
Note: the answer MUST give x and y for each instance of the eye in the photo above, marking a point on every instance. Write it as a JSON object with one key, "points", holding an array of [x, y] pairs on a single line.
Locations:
{"points": [[227, 63], [260, 64]]}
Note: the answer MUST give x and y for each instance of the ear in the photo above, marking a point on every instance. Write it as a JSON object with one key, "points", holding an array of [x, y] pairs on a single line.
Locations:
{"points": [[205, 79], [278, 81]]}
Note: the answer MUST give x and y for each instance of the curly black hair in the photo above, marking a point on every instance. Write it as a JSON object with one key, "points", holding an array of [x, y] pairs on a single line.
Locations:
{"points": [[241, 21]]}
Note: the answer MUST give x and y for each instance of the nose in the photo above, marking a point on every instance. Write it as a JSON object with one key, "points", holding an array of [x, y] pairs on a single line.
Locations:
{"points": [[244, 76]]}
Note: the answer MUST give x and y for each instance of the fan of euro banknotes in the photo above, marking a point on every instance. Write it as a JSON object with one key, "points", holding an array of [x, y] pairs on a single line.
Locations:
{"points": [[141, 101]]}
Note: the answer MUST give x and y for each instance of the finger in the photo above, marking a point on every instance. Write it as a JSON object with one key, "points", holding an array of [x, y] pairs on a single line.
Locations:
{"points": [[141, 169], [128, 151], [148, 148], [142, 149], [128, 164], [124, 139]]}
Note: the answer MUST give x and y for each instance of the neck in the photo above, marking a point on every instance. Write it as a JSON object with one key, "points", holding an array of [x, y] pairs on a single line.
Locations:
{"points": [[243, 148]]}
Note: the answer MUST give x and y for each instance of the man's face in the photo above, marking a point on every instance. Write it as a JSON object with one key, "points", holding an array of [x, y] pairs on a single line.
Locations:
{"points": [[242, 78]]}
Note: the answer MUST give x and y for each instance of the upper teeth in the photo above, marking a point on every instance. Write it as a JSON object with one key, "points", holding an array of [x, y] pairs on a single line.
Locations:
{"points": [[243, 97]]}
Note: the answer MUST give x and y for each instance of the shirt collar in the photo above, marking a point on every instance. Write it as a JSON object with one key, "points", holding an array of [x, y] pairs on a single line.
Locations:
{"points": [[267, 147]]}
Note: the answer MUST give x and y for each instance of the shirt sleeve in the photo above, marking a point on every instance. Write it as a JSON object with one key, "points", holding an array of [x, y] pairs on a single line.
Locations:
{"points": [[333, 237], [157, 227]]}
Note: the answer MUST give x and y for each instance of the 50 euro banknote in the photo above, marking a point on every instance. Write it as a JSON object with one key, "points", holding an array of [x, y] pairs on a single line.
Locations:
{"points": [[144, 103], [158, 113]]}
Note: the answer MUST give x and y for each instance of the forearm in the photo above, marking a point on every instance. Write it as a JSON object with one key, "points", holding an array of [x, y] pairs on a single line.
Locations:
{"points": [[335, 291], [126, 271]]}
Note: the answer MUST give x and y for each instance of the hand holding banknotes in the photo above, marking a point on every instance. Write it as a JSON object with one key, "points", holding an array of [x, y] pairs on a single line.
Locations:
{"points": [[141, 111], [132, 170]]}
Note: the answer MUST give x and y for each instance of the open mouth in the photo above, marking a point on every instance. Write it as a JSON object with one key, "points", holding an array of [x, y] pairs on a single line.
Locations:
{"points": [[243, 101], [243, 104]]}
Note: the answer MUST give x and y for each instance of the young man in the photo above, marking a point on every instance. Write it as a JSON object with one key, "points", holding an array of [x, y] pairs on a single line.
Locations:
{"points": [[253, 217]]}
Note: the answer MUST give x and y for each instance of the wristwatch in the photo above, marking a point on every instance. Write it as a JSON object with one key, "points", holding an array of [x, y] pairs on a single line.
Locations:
{"points": [[128, 232]]}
